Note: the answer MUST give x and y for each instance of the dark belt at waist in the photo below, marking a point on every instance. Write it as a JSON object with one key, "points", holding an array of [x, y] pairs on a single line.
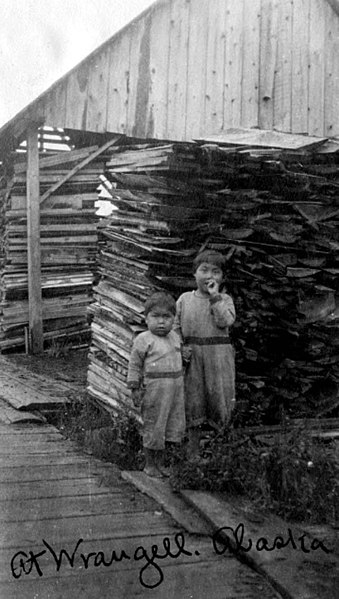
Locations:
{"points": [[164, 374], [207, 340]]}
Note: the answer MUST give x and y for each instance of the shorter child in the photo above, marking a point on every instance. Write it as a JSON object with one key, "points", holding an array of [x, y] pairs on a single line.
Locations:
{"points": [[155, 377]]}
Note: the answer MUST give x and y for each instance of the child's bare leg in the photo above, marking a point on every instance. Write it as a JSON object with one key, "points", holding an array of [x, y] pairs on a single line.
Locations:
{"points": [[161, 463], [194, 436], [151, 463]]}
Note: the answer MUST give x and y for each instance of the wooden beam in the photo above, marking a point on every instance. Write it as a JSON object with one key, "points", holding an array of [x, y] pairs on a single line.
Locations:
{"points": [[33, 243], [78, 167]]}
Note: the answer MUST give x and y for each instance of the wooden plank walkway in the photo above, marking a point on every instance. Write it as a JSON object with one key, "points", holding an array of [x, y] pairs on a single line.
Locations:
{"points": [[52, 493], [24, 390]]}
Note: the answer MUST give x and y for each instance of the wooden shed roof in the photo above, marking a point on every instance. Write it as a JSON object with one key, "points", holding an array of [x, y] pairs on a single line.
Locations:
{"points": [[163, 76], [36, 110]]}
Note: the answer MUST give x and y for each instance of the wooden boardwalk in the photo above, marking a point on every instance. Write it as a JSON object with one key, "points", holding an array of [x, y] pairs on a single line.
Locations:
{"points": [[50, 491], [25, 390]]}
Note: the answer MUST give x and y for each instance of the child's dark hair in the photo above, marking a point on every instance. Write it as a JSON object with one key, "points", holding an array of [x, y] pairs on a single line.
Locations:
{"points": [[160, 299], [211, 257]]}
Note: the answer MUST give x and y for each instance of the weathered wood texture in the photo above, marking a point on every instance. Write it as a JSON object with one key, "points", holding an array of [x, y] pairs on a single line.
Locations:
{"points": [[88, 500], [33, 244], [187, 68], [60, 233], [24, 390], [273, 213]]}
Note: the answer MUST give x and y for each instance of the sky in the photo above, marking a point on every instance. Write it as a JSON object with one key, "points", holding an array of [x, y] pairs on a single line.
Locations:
{"points": [[41, 40]]}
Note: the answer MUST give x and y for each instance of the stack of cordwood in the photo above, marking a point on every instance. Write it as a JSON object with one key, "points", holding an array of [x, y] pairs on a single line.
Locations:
{"points": [[68, 233], [273, 214]]}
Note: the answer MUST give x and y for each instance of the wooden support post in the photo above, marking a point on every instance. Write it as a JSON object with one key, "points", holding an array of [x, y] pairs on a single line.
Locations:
{"points": [[33, 243]]}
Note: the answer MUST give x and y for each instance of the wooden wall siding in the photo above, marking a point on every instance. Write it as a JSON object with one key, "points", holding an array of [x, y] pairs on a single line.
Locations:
{"points": [[250, 66], [316, 99], [189, 68], [56, 105], [300, 62], [118, 93], [282, 92], [77, 98], [233, 63], [331, 93], [213, 114], [97, 94], [177, 70], [268, 50], [196, 68], [158, 78]]}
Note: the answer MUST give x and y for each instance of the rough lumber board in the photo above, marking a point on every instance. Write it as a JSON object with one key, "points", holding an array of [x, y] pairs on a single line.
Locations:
{"points": [[86, 505], [76, 97], [138, 79], [20, 388], [65, 488], [56, 213], [74, 201], [51, 242], [269, 32], [21, 397], [159, 38], [118, 84], [282, 78], [38, 472], [58, 158], [177, 69], [40, 460], [215, 58], [233, 64], [16, 228], [264, 138], [97, 92], [185, 579], [55, 105], [250, 79], [9, 415], [331, 94], [106, 526], [300, 44], [78, 167], [196, 71], [316, 99]]}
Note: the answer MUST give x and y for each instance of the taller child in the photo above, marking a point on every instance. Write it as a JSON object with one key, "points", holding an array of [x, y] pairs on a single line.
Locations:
{"points": [[203, 320]]}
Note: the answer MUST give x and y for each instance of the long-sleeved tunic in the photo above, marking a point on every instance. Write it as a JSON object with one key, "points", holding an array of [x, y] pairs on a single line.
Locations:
{"points": [[156, 364], [203, 323]]}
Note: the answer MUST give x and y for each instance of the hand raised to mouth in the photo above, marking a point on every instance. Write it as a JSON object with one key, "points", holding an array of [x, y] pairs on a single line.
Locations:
{"points": [[213, 288]]}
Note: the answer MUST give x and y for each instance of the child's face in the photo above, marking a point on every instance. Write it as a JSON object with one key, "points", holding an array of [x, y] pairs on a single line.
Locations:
{"points": [[206, 273], [159, 321]]}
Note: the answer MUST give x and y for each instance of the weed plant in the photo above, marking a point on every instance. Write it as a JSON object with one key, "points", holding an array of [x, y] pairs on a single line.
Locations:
{"points": [[112, 438], [293, 475]]}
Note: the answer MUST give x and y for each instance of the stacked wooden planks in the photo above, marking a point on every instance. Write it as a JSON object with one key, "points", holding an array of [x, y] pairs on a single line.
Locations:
{"points": [[273, 213], [68, 234], [279, 232], [145, 235]]}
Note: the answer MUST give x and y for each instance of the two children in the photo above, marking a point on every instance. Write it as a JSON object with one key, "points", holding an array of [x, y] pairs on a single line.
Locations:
{"points": [[201, 321]]}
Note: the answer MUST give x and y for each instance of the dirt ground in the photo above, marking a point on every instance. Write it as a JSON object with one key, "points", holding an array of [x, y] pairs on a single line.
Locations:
{"points": [[70, 368]]}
